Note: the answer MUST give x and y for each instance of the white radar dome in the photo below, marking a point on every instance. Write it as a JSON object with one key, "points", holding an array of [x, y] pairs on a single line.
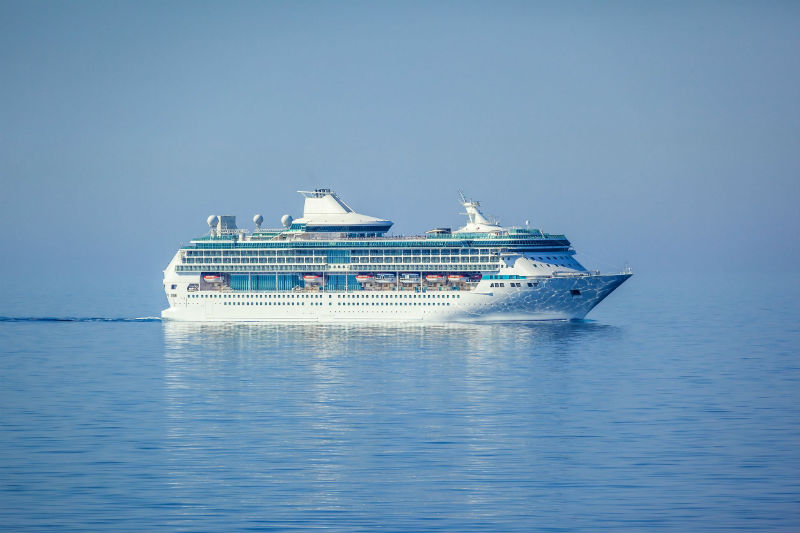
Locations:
{"points": [[258, 219], [212, 220], [286, 220]]}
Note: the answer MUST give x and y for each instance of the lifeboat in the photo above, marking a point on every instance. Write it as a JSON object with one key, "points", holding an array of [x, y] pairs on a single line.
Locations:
{"points": [[312, 278], [434, 278], [384, 278], [364, 278], [213, 278], [455, 277], [409, 278]]}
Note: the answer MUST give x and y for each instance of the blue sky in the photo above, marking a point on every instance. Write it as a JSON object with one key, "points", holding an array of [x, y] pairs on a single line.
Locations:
{"points": [[666, 135]]}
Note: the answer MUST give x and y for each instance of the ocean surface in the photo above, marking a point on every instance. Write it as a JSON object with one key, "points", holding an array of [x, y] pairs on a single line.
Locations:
{"points": [[675, 407]]}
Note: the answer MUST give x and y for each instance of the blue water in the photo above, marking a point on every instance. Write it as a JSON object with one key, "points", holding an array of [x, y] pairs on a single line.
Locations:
{"points": [[677, 407]]}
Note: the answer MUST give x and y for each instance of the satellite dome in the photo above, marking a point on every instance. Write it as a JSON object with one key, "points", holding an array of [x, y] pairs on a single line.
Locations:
{"points": [[286, 220], [212, 220], [258, 219]]}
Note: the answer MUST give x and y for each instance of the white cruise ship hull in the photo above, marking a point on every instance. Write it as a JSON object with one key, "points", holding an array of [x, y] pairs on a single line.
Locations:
{"points": [[555, 298]]}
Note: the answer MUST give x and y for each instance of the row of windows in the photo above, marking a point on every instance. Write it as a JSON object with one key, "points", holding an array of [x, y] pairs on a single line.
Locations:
{"points": [[195, 257], [255, 260], [271, 303], [513, 284], [228, 242], [294, 268], [337, 303], [338, 296], [427, 251], [404, 259], [323, 253], [322, 260], [565, 261], [255, 296], [399, 296], [391, 303]]}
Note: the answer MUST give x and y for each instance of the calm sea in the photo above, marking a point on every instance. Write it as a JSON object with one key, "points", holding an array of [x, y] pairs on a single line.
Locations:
{"points": [[675, 408]]}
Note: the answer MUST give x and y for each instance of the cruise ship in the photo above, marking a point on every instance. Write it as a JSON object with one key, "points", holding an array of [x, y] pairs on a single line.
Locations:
{"points": [[335, 264]]}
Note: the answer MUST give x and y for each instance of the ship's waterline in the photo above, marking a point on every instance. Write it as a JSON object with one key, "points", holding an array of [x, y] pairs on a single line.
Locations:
{"points": [[335, 264]]}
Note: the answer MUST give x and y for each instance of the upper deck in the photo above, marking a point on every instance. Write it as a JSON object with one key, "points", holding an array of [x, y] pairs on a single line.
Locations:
{"points": [[331, 236], [515, 237]]}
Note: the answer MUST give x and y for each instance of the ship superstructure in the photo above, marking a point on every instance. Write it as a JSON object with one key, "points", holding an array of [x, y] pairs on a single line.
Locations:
{"points": [[334, 263]]}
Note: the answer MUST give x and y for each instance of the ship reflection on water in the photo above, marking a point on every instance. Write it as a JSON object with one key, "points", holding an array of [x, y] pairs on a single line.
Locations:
{"points": [[187, 339], [341, 418]]}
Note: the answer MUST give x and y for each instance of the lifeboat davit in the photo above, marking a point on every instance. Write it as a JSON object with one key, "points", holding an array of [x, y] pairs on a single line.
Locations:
{"points": [[364, 278], [455, 277], [312, 278], [409, 278], [212, 278], [384, 278], [434, 278]]}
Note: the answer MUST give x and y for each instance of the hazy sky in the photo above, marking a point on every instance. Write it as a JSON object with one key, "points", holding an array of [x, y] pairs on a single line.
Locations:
{"points": [[662, 134]]}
